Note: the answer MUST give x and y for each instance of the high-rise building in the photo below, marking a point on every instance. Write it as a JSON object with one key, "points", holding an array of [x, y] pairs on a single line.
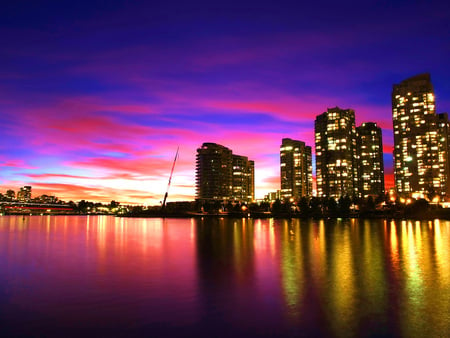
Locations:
{"points": [[420, 157], [220, 175], [444, 153], [369, 147], [214, 172], [336, 157], [243, 179], [295, 169]]}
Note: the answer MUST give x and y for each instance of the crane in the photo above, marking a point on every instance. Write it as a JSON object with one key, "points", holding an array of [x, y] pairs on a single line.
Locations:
{"points": [[170, 179]]}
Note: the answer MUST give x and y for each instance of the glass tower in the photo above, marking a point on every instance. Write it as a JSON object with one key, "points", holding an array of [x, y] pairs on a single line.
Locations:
{"points": [[295, 169], [420, 138], [336, 158], [370, 160], [221, 175]]}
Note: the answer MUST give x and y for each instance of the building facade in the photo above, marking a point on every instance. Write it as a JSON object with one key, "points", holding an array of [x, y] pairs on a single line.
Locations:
{"points": [[369, 147], [243, 179], [336, 157], [295, 169], [214, 172], [220, 175], [444, 154], [420, 153]]}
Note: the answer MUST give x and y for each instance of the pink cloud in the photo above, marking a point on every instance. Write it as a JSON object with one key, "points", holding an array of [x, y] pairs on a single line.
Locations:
{"points": [[53, 176], [16, 164], [118, 167], [78, 192]]}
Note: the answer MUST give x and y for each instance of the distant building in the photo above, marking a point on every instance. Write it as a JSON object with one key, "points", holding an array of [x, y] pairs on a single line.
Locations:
{"points": [[24, 194], [243, 179], [295, 169], [220, 175], [420, 140], [272, 196], [47, 199], [370, 160], [336, 157]]}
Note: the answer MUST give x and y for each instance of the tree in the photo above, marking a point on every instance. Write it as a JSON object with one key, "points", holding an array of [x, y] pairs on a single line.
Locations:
{"points": [[315, 207], [303, 204], [344, 205]]}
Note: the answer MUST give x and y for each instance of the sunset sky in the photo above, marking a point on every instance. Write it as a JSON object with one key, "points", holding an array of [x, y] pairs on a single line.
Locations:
{"points": [[96, 96]]}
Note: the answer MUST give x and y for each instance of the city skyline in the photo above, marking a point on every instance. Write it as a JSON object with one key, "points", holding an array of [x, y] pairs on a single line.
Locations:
{"points": [[95, 100]]}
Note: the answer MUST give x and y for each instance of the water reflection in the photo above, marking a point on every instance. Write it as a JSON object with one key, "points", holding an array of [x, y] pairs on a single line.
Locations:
{"points": [[234, 276]]}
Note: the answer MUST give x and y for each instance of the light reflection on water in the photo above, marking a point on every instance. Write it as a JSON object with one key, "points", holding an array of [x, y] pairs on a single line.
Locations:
{"points": [[179, 277]]}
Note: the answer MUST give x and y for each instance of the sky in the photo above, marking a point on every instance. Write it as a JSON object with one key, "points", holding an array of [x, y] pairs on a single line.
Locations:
{"points": [[96, 96]]}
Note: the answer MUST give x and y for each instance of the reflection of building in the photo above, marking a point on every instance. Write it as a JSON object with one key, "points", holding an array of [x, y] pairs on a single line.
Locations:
{"points": [[243, 179], [336, 167], [295, 169], [24, 194], [370, 160], [220, 175], [420, 139]]}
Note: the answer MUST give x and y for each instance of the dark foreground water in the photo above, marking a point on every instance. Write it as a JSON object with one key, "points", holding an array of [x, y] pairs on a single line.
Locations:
{"points": [[106, 277]]}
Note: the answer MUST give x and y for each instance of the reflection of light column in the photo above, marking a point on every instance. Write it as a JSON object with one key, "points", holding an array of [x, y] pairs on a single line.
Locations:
{"points": [[292, 267], [414, 292], [272, 237], [395, 259], [441, 297], [342, 274], [101, 232], [318, 254], [266, 259], [442, 253], [242, 247], [373, 281]]}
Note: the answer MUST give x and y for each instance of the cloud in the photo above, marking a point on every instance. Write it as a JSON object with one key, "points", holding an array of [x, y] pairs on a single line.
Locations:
{"points": [[52, 176], [16, 164], [78, 192]]}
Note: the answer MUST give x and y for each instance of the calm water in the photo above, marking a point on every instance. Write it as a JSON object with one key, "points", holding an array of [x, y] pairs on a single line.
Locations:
{"points": [[105, 276]]}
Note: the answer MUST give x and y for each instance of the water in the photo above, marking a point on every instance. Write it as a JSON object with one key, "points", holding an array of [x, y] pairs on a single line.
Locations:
{"points": [[104, 276]]}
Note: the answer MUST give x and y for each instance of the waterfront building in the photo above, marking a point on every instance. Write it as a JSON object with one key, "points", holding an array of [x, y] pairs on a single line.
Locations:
{"points": [[220, 175], [444, 153], [243, 179], [369, 147], [420, 140], [295, 169], [336, 157]]}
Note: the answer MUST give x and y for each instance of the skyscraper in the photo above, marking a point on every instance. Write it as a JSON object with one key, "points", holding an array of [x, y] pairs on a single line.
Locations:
{"points": [[420, 154], [214, 172], [444, 153], [221, 175], [295, 169], [336, 166], [370, 160], [243, 179]]}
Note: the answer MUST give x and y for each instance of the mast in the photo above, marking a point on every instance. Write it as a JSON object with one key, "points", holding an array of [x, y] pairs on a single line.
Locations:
{"points": [[170, 179]]}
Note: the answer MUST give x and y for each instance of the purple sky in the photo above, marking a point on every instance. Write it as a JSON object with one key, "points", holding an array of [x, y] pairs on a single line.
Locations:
{"points": [[96, 96]]}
